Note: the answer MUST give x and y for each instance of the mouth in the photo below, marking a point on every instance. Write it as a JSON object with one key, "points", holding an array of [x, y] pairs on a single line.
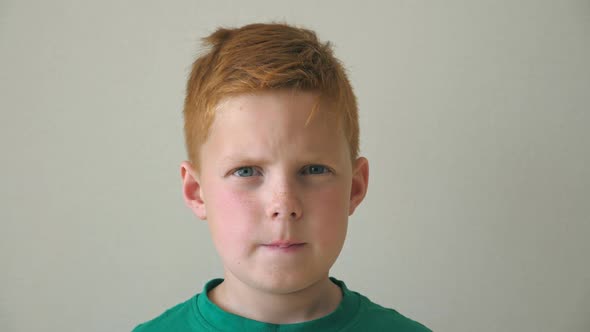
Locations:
{"points": [[284, 245]]}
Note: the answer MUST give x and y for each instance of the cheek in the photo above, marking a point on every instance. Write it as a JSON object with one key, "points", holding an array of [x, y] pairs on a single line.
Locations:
{"points": [[232, 216], [332, 200], [329, 213]]}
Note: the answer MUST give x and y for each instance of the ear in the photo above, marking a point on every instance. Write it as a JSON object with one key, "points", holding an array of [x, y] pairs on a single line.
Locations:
{"points": [[191, 190], [360, 183]]}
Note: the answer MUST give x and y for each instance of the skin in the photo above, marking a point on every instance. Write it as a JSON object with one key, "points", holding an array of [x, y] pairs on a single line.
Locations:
{"points": [[276, 193]]}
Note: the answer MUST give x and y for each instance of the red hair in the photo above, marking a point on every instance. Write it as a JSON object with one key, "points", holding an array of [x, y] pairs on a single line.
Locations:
{"points": [[261, 57]]}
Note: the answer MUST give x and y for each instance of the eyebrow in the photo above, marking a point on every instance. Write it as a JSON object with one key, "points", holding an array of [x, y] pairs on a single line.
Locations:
{"points": [[258, 161], [243, 159]]}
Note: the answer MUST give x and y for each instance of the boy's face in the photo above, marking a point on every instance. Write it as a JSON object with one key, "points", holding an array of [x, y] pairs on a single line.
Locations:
{"points": [[276, 192]]}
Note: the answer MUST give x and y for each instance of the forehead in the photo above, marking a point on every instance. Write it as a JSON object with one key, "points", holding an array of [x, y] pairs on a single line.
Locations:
{"points": [[274, 122]]}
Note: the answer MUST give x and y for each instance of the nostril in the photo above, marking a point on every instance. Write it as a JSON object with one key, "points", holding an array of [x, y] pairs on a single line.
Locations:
{"points": [[278, 214]]}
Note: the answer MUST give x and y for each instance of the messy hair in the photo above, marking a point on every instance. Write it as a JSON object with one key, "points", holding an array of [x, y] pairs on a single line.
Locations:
{"points": [[262, 57]]}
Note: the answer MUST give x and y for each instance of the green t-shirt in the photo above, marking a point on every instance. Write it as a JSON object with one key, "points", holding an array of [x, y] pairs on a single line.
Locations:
{"points": [[355, 313]]}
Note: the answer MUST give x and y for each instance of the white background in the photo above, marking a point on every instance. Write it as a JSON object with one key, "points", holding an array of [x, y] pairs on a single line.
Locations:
{"points": [[474, 116]]}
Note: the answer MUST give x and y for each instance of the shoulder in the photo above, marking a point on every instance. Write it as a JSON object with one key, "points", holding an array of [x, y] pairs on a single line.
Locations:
{"points": [[378, 318], [177, 318]]}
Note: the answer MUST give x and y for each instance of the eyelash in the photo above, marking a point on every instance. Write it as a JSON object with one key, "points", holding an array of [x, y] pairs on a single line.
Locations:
{"points": [[304, 171], [234, 172], [308, 168]]}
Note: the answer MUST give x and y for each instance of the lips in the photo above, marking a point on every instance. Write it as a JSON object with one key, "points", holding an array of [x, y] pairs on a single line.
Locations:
{"points": [[284, 244]]}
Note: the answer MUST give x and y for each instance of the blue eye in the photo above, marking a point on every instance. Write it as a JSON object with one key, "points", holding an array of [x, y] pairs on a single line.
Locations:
{"points": [[245, 171], [315, 169]]}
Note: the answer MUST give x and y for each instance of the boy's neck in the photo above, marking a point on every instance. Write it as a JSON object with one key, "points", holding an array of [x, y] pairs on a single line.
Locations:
{"points": [[313, 302]]}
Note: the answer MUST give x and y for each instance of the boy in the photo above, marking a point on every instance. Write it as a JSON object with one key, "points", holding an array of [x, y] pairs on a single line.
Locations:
{"points": [[271, 130]]}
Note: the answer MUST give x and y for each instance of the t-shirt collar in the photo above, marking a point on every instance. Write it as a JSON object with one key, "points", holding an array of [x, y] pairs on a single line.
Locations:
{"points": [[221, 320]]}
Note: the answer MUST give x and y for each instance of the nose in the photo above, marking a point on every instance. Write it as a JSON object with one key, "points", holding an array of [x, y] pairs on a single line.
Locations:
{"points": [[285, 205]]}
